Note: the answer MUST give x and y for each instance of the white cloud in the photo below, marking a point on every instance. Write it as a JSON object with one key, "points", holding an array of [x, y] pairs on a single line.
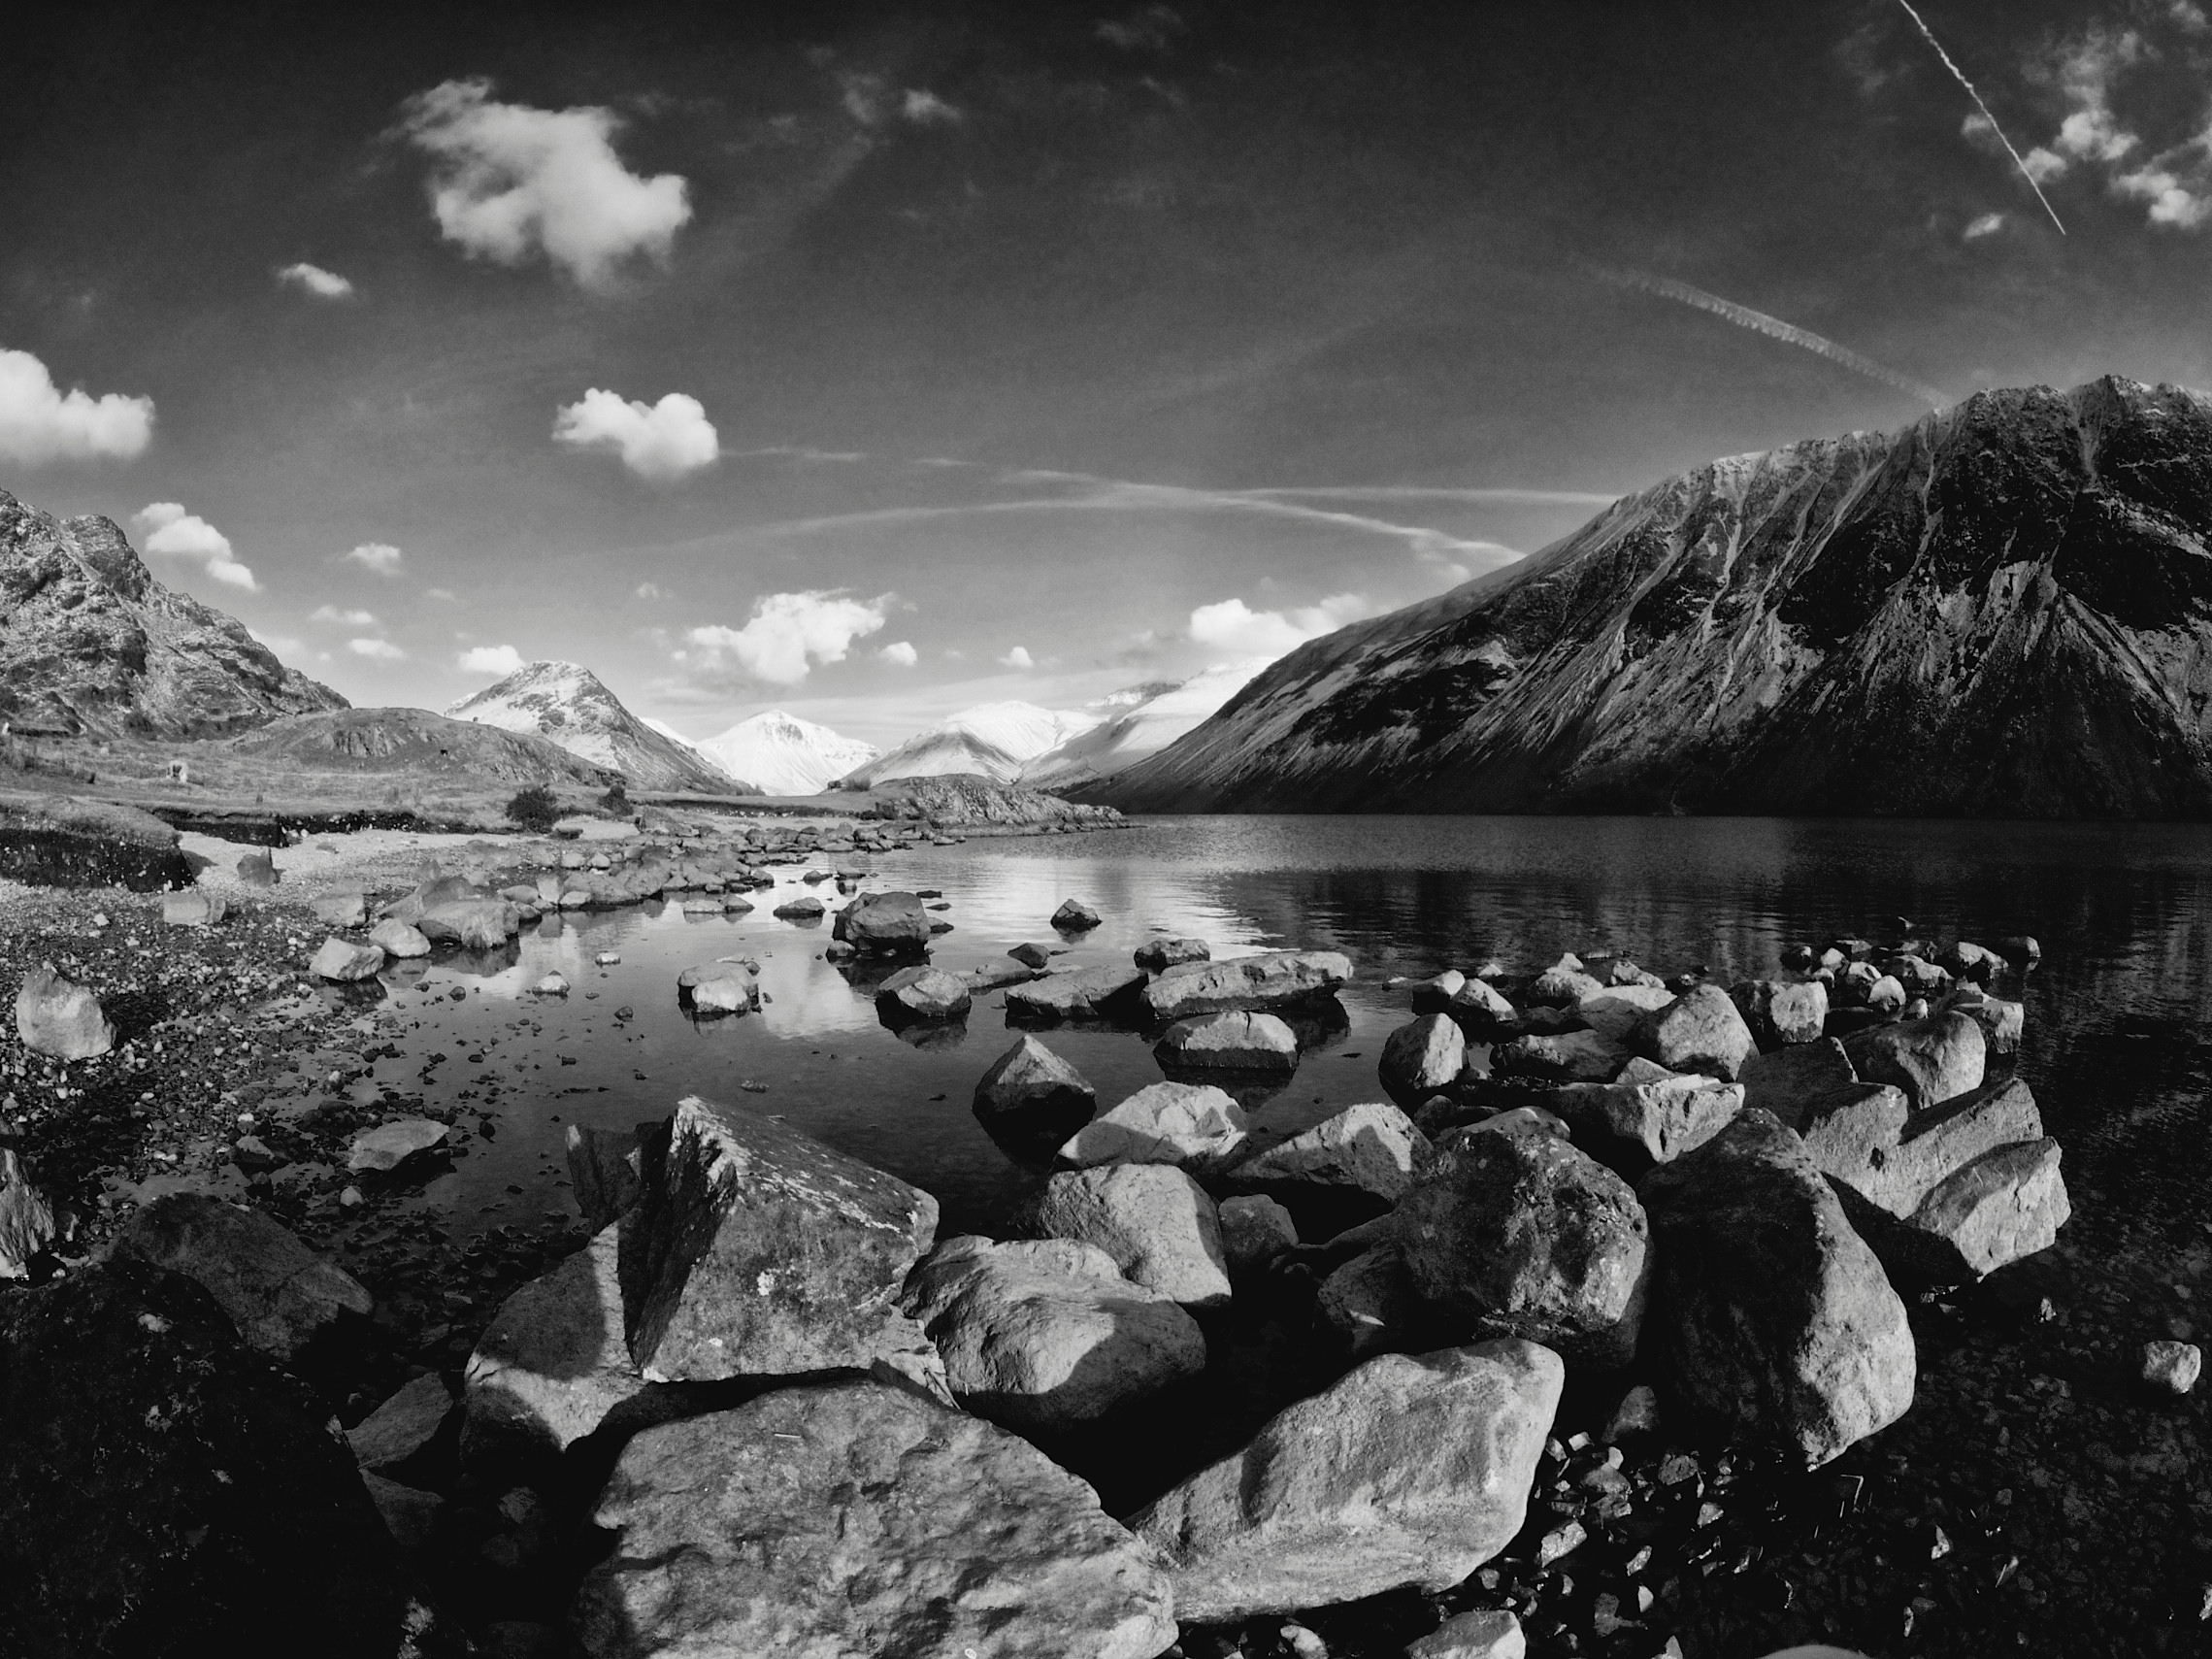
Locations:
{"points": [[1018, 657], [499, 660], [1989, 224], [169, 530], [902, 652], [379, 556], [323, 284], [445, 593], [342, 618], [787, 632], [1234, 625], [382, 650], [650, 590], [38, 423], [511, 181], [927, 109], [657, 441]]}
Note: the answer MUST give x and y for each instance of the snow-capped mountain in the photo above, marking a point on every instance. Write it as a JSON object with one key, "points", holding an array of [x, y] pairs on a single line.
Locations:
{"points": [[566, 703], [782, 754], [1137, 721], [991, 740]]}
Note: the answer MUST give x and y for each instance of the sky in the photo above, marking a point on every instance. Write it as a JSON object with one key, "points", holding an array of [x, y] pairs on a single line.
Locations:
{"points": [[875, 361]]}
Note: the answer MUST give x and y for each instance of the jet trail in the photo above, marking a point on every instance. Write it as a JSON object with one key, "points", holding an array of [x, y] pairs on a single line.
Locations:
{"points": [[1773, 327], [1958, 75]]}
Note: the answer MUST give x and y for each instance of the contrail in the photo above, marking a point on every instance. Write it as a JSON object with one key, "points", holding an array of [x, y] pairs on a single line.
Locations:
{"points": [[1958, 75], [1743, 316]]}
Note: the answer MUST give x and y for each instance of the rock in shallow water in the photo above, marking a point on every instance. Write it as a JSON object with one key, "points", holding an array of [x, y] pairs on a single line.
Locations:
{"points": [[1246, 1042], [343, 962], [1075, 993], [1278, 978], [856, 1519], [388, 1145], [1158, 954], [399, 939], [1409, 1469], [1421, 1057], [1033, 1094]]}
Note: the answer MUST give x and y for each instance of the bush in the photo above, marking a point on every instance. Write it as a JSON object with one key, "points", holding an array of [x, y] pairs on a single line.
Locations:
{"points": [[533, 808]]}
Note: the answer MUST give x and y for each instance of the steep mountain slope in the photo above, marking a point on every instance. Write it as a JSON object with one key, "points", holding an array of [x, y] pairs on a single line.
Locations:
{"points": [[1134, 723], [991, 740], [566, 703], [90, 643], [2003, 610], [782, 754]]}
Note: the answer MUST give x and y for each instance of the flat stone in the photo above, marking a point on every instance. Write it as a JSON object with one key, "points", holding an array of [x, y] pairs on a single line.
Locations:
{"points": [[1280, 978], [1241, 1041], [404, 1425], [1155, 1222], [57, 1017], [391, 1144], [1194, 1126], [345, 962], [278, 1293], [1075, 993], [1372, 1148]]}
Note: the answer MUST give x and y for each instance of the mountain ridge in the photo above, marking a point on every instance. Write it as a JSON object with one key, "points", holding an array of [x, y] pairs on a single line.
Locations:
{"points": [[778, 753], [571, 706]]}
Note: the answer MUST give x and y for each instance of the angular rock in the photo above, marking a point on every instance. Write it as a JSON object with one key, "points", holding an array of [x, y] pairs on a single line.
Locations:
{"points": [[1239, 1043], [1075, 917], [1280, 978], [410, 1514], [1193, 1126], [1525, 1236], [388, 1145], [1409, 1469], [1031, 956], [2002, 1021], [1075, 993], [924, 993], [399, 939], [344, 963], [473, 924], [1783, 1012], [2007, 1203], [1479, 1008], [884, 924], [403, 1426], [278, 1293], [1700, 1031], [603, 1172], [1772, 1313], [2172, 1366], [1563, 985], [1369, 1302], [1155, 955], [1614, 1012], [1936, 1144], [340, 909], [1488, 1634], [1571, 1056], [1372, 1148], [1255, 1230], [1155, 1222], [1934, 1060], [1033, 1095], [26, 1218], [1040, 1335], [947, 1537], [1648, 1114], [56, 1017], [1421, 1057], [193, 909]]}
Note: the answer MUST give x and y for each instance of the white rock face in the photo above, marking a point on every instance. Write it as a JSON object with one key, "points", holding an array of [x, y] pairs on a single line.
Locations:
{"points": [[782, 754], [566, 703], [991, 740]]}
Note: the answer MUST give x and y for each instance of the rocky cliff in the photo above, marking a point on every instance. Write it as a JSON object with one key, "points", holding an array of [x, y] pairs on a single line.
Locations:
{"points": [[2003, 610], [91, 644], [568, 705]]}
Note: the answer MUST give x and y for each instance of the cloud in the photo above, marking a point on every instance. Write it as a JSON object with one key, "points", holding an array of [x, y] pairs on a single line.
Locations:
{"points": [[1234, 625], [38, 423], [499, 660], [2173, 184], [379, 556], [381, 651], [788, 633], [1989, 224], [169, 530], [1150, 28], [1018, 657], [323, 284], [900, 652], [511, 181], [445, 593], [650, 590], [342, 619], [927, 109], [660, 441]]}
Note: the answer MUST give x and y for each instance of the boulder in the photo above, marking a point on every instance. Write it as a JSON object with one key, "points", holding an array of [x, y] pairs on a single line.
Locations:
{"points": [[2002, 1021], [1372, 1148], [56, 1017], [27, 1218], [884, 924], [346, 963], [718, 987], [603, 1172], [1156, 956], [388, 1145], [193, 909], [403, 1426], [1033, 1095], [2005, 1204], [1934, 1145], [1934, 1060], [1918, 977], [1479, 1008], [946, 1537], [1571, 1056], [1421, 1057], [279, 1294], [1648, 1114], [1563, 985], [1155, 1222], [1699, 1031], [1276, 980], [923, 993], [1033, 956], [1041, 1335], [399, 939], [1408, 1470], [1369, 1302], [1614, 1012], [473, 924], [1194, 1126], [1255, 1230], [1075, 917], [755, 1251], [805, 908], [1850, 1128], [1075, 993], [1772, 1313], [340, 909], [1969, 961], [2174, 1366], [430, 893], [1522, 1234], [1491, 1633], [166, 1491], [1783, 1012], [1239, 1043]]}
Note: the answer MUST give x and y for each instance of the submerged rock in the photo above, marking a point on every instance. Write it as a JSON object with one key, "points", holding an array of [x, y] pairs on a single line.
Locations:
{"points": [[279, 1294], [1033, 1094], [1410, 1469], [56, 1017], [1155, 1222]]}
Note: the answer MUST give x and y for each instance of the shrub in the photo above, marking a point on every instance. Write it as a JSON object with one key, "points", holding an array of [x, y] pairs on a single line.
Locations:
{"points": [[533, 808]]}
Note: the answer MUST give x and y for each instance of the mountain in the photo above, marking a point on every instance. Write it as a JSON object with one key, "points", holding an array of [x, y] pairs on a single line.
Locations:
{"points": [[2003, 610], [1138, 721], [991, 740], [782, 754], [568, 705], [413, 742], [90, 643]]}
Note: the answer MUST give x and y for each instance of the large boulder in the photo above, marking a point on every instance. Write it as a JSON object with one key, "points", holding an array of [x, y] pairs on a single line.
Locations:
{"points": [[1244, 1043], [1566, 1056], [1783, 1012], [1997, 1207], [1422, 1057], [859, 1520], [396, 938], [755, 1251], [1369, 1302], [1772, 1313], [1042, 1333], [1409, 1469], [1155, 1222], [923, 994], [1934, 1060], [343, 962], [1276, 980], [1195, 1126], [1076, 994], [1699, 1031], [1850, 1128], [1157, 956], [1522, 1234], [1614, 1012], [603, 1171], [1033, 1095], [166, 1492], [884, 924], [57, 1017], [1372, 1148], [473, 924], [1479, 1008], [279, 1294], [1646, 1114]]}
